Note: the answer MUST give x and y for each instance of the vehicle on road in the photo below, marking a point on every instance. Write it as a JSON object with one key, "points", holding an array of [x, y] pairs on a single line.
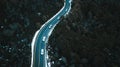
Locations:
{"points": [[42, 51], [44, 38], [50, 26], [39, 43], [66, 9], [58, 17]]}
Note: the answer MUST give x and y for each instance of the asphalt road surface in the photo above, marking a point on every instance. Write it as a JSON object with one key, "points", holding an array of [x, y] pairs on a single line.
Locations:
{"points": [[39, 58]]}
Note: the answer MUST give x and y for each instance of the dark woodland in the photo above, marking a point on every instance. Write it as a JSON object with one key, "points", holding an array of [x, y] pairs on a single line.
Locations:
{"points": [[19, 20], [89, 36]]}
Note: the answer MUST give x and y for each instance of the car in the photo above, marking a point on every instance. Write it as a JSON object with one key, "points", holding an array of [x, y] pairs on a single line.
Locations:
{"points": [[58, 17], [42, 51], [50, 26], [43, 39], [66, 9]]}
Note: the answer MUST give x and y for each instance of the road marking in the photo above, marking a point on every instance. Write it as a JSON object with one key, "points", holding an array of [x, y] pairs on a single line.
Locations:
{"points": [[33, 45]]}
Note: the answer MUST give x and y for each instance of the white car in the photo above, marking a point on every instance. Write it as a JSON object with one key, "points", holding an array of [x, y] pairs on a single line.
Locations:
{"points": [[58, 17], [50, 26], [44, 38], [42, 51], [66, 9]]}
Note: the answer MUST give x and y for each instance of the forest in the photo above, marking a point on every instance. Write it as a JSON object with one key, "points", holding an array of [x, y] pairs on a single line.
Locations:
{"points": [[19, 20], [87, 37]]}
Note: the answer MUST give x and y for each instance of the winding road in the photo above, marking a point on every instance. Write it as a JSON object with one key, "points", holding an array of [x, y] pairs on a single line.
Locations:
{"points": [[40, 39]]}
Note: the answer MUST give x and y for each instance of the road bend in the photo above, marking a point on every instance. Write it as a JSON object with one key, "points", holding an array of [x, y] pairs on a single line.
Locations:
{"points": [[40, 39]]}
